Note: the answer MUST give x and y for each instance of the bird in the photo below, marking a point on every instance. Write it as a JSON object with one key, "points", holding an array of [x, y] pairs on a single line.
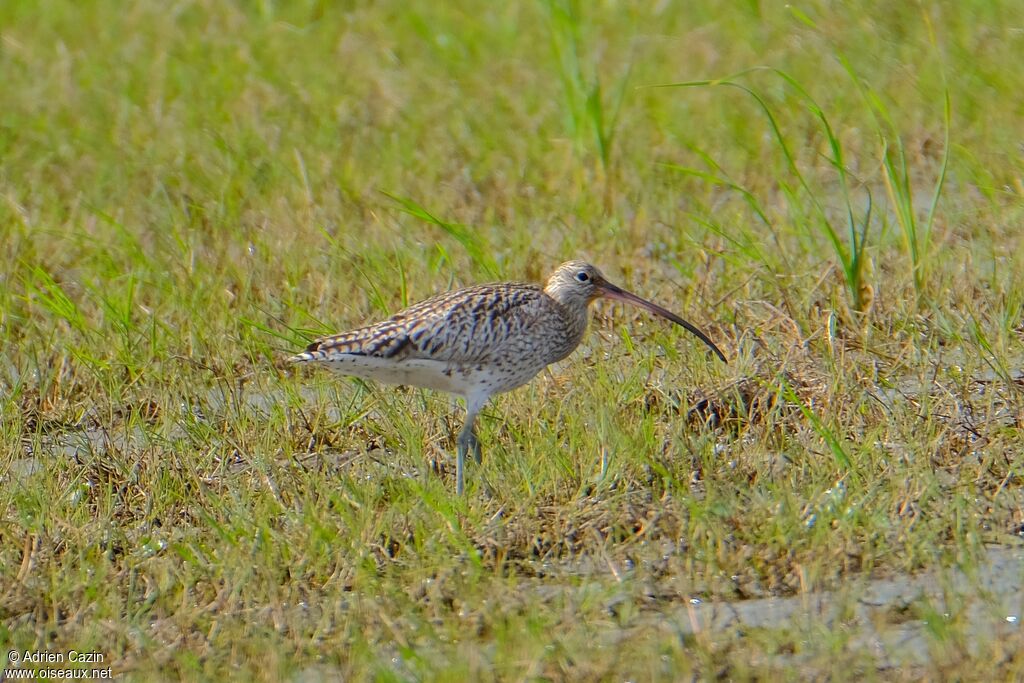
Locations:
{"points": [[479, 341]]}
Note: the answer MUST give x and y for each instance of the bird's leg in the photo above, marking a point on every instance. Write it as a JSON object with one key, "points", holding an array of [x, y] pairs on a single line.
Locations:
{"points": [[460, 465], [470, 442], [474, 445], [467, 441]]}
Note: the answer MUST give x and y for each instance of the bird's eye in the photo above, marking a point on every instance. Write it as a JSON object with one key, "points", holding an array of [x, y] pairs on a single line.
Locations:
{"points": [[582, 276]]}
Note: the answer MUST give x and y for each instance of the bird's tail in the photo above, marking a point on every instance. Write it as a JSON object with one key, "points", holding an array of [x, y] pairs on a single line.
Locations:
{"points": [[384, 340]]}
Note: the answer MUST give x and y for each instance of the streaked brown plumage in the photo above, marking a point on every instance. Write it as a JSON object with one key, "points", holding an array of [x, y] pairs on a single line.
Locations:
{"points": [[478, 341]]}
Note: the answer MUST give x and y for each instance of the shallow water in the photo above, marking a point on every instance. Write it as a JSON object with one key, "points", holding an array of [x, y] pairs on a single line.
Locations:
{"points": [[887, 616]]}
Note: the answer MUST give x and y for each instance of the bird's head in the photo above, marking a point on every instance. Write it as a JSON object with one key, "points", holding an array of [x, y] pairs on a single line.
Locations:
{"points": [[576, 284]]}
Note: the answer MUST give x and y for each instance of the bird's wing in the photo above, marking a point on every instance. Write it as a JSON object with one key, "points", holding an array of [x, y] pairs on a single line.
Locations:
{"points": [[464, 326]]}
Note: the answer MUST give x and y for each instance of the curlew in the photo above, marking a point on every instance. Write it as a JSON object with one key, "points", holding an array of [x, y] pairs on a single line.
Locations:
{"points": [[479, 341]]}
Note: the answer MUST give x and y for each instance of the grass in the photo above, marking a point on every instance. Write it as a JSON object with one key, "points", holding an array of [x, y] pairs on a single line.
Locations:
{"points": [[189, 193]]}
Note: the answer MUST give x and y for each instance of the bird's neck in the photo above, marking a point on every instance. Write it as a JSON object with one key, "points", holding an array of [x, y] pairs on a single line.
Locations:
{"points": [[571, 301], [575, 315]]}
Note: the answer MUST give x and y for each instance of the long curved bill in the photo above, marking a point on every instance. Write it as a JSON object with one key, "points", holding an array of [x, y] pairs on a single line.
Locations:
{"points": [[610, 291]]}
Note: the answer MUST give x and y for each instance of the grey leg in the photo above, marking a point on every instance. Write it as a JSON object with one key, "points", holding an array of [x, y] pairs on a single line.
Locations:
{"points": [[474, 446], [460, 467], [467, 441]]}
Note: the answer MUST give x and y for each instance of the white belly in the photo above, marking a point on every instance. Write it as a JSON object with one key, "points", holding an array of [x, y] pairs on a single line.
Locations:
{"points": [[454, 378]]}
